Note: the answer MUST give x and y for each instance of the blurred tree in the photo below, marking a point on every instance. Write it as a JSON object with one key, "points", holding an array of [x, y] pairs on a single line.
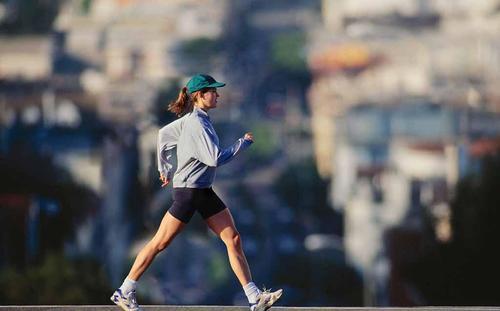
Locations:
{"points": [[287, 74], [199, 55], [466, 272], [319, 279], [301, 187], [58, 280], [266, 143], [85, 5], [287, 52], [26, 174], [166, 94], [29, 16]]}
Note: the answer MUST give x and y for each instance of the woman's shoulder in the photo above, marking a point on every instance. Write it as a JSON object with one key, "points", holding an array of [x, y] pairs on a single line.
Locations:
{"points": [[196, 118], [190, 122]]}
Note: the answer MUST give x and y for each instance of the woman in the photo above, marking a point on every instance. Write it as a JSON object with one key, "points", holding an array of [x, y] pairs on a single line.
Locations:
{"points": [[198, 156]]}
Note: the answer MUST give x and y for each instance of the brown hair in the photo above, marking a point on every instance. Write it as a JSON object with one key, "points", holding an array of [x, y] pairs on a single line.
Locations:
{"points": [[182, 105], [184, 102]]}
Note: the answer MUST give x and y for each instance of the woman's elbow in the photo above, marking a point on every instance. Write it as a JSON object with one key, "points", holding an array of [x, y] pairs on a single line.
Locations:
{"points": [[211, 162]]}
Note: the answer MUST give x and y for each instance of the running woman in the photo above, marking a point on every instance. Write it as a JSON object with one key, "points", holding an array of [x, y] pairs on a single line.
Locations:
{"points": [[198, 156]]}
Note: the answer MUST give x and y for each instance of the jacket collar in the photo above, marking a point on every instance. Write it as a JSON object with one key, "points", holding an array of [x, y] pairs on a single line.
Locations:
{"points": [[200, 111]]}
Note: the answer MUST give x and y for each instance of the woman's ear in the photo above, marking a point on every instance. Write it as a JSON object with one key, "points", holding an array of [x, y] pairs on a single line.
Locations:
{"points": [[198, 95]]}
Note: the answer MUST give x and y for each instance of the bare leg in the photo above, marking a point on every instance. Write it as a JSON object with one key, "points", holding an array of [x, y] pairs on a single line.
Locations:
{"points": [[222, 224], [169, 228]]}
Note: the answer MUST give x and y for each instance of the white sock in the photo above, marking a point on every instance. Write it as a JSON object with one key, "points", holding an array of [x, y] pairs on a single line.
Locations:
{"points": [[128, 286], [251, 291]]}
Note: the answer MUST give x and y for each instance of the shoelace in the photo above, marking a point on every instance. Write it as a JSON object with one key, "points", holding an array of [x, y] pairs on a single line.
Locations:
{"points": [[264, 294], [133, 300], [266, 290]]}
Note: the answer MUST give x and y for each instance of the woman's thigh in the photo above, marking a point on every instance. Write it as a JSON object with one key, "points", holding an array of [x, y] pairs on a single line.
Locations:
{"points": [[169, 228], [222, 224]]}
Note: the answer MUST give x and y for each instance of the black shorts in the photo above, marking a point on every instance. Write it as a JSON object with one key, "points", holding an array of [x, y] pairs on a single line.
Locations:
{"points": [[189, 200]]}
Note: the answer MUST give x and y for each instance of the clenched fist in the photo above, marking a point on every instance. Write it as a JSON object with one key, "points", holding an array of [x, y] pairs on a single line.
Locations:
{"points": [[248, 136]]}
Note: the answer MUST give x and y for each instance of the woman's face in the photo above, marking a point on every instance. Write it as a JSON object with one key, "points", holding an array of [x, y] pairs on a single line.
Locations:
{"points": [[208, 99]]}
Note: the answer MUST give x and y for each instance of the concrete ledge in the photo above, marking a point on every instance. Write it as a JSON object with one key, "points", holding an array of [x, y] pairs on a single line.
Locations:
{"points": [[237, 308]]}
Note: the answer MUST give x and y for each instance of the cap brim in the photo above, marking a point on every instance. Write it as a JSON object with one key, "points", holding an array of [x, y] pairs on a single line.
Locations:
{"points": [[217, 84]]}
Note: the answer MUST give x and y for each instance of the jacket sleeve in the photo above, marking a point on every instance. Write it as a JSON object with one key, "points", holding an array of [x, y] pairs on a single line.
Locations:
{"points": [[208, 151], [226, 155], [167, 141]]}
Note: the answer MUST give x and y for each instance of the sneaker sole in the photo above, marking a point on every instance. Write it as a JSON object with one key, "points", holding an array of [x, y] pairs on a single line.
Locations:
{"points": [[120, 304]]}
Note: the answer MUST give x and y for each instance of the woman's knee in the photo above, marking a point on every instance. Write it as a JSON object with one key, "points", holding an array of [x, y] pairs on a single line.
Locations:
{"points": [[232, 240]]}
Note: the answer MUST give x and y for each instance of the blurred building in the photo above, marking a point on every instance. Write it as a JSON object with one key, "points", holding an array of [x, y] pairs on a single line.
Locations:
{"points": [[384, 52], [397, 167], [27, 58], [135, 43], [118, 34], [403, 92]]}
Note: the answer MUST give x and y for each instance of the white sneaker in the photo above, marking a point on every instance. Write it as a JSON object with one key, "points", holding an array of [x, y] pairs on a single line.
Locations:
{"points": [[265, 300], [127, 303]]}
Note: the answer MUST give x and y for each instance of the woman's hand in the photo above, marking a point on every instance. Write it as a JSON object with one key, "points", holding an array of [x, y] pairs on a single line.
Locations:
{"points": [[248, 136], [164, 180]]}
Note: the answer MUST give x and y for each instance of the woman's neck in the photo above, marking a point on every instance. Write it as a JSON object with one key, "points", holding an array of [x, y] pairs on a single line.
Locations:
{"points": [[202, 108]]}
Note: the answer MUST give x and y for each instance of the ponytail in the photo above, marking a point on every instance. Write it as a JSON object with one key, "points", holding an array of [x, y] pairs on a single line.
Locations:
{"points": [[182, 105]]}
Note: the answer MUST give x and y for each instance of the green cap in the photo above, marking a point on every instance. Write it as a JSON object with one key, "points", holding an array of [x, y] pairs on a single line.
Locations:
{"points": [[201, 81]]}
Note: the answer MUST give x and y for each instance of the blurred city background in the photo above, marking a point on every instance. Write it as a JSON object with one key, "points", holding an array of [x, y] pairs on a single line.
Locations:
{"points": [[374, 179]]}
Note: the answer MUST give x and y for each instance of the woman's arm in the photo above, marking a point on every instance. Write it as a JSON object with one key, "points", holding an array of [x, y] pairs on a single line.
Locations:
{"points": [[226, 155], [208, 151], [167, 141]]}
